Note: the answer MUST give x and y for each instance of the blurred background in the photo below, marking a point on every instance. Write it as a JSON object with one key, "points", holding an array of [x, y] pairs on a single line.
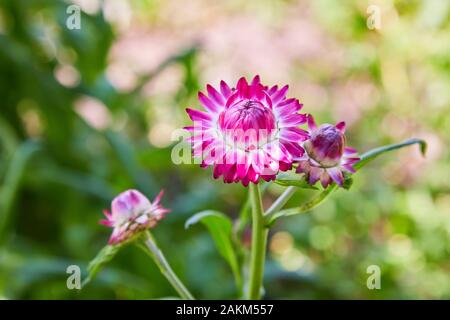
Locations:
{"points": [[88, 113]]}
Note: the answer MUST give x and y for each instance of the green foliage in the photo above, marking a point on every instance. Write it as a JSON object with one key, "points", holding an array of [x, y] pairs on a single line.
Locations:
{"points": [[12, 181], [372, 154], [101, 259], [348, 180], [220, 227]]}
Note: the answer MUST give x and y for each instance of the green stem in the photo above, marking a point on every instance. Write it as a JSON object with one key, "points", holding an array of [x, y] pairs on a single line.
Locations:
{"points": [[158, 257], [274, 211], [244, 215], [281, 201], [259, 239], [270, 219]]}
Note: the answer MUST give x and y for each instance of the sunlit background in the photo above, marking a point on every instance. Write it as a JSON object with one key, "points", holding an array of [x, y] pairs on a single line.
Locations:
{"points": [[85, 114]]}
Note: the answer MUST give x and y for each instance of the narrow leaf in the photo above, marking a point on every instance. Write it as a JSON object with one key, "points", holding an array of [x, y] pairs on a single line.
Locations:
{"points": [[365, 158], [220, 228], [372, 154], [8, 192], [103, 257], [304, 207], [294, 180]]}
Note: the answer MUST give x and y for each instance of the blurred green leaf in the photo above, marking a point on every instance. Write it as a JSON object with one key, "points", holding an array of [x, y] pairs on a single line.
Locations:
{"points": [[103, 257], [348, 181], [220, 228], [126, 154], [11, 185], [8, 139], [86, 183]]}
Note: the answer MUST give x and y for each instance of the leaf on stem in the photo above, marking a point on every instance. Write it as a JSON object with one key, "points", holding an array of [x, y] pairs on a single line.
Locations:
{"points": [[103, 257], [220, 227], [372, 154], [364, 159], [348, 181], [290, 179]]}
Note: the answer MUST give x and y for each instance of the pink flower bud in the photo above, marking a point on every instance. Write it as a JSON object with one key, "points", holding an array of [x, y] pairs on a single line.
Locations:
{"points": [[131, 213], [326, 154], [326, 145]]}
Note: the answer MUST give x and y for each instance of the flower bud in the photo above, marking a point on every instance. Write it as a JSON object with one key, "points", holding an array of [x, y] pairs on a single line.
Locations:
{"points": [[326, 156], [131, 213], [326, 145]]}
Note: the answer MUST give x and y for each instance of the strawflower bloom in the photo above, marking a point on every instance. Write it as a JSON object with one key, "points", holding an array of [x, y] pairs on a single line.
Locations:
{"points": [[248, 132], [131, 213], [327, 156]]}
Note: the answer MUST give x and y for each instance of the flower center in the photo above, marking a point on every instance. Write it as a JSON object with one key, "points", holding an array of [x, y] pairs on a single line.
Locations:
{"points": [[326, 145], [248, 123], [247, 114]]}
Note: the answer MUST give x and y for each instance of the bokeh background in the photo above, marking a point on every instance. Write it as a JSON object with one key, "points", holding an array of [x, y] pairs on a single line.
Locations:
{"points": [[85, 114]]}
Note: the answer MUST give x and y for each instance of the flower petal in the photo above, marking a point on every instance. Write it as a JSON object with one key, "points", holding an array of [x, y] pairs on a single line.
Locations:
{"points": [[207, 103], [225, 89], [341, 126], [311, 123], [279, 95], [197, 115], [214, 95], [336, 175]]}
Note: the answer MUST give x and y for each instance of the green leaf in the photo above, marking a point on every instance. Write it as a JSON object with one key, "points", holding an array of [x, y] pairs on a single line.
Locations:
{"points": [[13, 179], [365, 158], [294, 180], [348, 181], [372, 154], [220, 227], [103, 257], [307, 206], [127, 156]]}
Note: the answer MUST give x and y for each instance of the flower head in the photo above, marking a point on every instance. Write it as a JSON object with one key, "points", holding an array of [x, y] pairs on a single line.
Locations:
{"points": [[326, 154], [131, 213], [248, 132]]}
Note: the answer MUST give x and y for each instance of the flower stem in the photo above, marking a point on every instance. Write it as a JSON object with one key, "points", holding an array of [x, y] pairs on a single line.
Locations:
{"points": [[311, 204], [259, 239], [281, 201], [156, 254]]}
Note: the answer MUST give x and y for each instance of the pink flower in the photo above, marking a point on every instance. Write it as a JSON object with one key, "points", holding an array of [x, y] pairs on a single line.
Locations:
{"points": [[248, 132], [131, 213], [326, 155]]}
